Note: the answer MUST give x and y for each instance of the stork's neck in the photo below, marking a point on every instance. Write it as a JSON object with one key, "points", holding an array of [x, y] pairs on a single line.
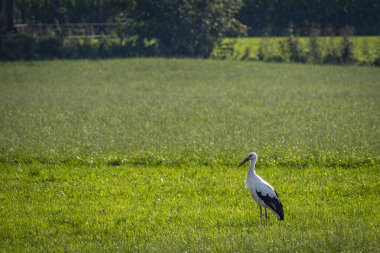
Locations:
{"points": [[251, 168]]}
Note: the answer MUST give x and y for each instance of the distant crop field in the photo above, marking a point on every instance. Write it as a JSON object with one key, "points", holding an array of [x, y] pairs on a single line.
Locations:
{"points": [[141, 155], [366, 49]]}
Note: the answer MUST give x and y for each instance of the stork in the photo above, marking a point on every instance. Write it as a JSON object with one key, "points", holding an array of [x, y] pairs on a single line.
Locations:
{"points": [[262, 192]]}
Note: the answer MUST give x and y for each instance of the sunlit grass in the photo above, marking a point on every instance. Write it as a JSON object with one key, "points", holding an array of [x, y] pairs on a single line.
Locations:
{"points": [[185, 209], [141, 155]]}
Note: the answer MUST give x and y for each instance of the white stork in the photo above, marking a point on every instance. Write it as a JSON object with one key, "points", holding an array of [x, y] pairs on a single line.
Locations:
{"points": [[262, 192]]}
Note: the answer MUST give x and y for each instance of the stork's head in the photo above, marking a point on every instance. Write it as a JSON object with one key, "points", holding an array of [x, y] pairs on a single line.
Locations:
{"points": [[251, 156]]}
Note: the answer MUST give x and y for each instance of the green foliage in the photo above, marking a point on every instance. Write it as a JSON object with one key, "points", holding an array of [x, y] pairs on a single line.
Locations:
{"points": [[333, 54], [347, 48], [179, 28], [291, 50], [17, 47], [315, 49], [23, 47], [269, 52], [314, 54], [224, 49], [186, 28], [263, 17], [270, 17], [73, 11]]}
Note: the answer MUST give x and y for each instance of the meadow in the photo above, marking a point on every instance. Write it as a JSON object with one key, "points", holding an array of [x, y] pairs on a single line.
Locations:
{"points": [[142, 155]]}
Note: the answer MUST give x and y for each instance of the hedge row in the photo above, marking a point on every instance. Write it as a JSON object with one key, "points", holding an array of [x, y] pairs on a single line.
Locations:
{"points": [[314, 49], [23, 47], [290, 49]]}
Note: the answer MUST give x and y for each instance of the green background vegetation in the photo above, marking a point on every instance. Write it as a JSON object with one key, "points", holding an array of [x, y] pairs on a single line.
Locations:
{"points": [[272, 17], [360, 50], [166, 28], [363, 50], [142, 155], [262, 17]]}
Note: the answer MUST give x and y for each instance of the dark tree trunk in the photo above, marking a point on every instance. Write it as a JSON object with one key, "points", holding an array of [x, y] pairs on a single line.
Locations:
{"points": [[7, 11]]}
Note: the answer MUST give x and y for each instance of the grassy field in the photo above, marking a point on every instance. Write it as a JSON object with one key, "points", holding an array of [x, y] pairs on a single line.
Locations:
{"points": [[141, 155]]}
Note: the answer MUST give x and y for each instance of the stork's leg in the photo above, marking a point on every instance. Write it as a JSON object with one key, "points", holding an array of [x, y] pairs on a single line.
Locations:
{"points": [[266, 216], [261, 215]]}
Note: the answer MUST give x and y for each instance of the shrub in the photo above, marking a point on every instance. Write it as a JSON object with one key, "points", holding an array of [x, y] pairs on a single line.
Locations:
{"points": [[332, 55], [87, 49], [49, 47], [377, 61], [69, 49], [347, 55], [267, 52], [246, 54], [224, 49], [23, 47], [17, 47], [314, 52], [295, 49]]}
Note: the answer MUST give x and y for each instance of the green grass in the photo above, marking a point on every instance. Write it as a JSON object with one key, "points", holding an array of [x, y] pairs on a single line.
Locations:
{"points": [[188, 111], [141, 155], [185, 209]]}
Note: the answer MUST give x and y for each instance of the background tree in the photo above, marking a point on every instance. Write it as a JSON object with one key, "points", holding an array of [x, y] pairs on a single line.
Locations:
{"points": [[189, 27], [6, 16], [274, 16], [178, 27]]}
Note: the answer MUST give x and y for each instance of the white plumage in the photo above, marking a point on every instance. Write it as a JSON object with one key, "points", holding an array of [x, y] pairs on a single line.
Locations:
{"points": [[262, 192]]}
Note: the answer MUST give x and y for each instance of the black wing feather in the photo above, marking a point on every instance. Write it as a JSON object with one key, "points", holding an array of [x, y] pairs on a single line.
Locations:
{"points": [[273, 203]]}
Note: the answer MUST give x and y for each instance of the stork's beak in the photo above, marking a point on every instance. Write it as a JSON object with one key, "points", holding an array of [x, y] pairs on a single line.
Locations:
{"points": [[243, 162]]}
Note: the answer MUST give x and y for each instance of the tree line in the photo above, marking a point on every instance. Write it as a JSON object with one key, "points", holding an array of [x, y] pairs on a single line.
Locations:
{"points": [[262, 17], [177, 27], [273, 17], [192, 27]]}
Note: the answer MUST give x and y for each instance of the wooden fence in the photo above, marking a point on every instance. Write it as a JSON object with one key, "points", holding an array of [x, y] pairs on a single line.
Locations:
{"points": [[72, 30]]}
